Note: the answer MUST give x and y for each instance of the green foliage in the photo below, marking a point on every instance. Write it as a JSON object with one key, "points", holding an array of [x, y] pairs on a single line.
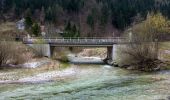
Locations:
{"points": [[28, 19], [49, 14], [71, 31], [105, 13], [90, 21], [118, 12], [35, 29]]}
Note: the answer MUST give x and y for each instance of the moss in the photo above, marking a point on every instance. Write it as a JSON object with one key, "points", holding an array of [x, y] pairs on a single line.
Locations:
{"points": [[64, 65]]}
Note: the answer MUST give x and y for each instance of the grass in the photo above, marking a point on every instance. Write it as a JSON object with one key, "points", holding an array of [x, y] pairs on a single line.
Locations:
{"points": [[10, 29], [165, 46], [8, 26], [64, 65]]}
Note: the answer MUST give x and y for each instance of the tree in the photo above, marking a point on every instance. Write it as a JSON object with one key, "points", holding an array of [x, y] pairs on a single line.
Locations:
{"points": [[143, 52], [71, 31], [49, 14], [36, 29], [104, 14], [9, 53], [155, 26], [90, 21], [28, 19]]}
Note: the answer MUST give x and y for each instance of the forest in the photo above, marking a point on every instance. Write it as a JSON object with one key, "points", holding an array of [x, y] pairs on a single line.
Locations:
{"points": [[94, 15]]}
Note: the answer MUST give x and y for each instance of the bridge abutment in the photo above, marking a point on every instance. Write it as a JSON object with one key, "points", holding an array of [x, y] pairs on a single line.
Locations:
{"points": [[42, 49]]}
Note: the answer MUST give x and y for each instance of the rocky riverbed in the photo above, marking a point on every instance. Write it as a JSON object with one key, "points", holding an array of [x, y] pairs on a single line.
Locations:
{"points": [[92, 82]]}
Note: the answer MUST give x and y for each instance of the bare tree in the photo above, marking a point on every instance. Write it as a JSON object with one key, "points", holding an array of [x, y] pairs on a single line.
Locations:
{"points": [[12, 53], [51, 30], [141, 53]]}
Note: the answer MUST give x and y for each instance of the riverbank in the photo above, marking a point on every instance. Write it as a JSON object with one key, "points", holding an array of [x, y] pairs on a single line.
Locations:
{"points": [[30, 71], [43, 70]]}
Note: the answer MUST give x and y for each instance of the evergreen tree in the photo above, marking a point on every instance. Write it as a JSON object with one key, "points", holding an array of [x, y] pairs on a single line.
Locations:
{"points": [[28, 19], [105, 12], [49, 14], [71, 31], [35, 29], [90, 21], [121, 12]]}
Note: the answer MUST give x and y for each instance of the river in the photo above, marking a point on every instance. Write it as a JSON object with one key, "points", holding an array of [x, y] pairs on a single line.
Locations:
{"points": [[94, 82]]}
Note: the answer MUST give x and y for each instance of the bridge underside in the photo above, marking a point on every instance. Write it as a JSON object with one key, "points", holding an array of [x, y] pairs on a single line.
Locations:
{"points": [[86, 45]]}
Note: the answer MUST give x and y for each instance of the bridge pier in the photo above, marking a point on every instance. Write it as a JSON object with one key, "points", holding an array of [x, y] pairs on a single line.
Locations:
{"points": [[111, 55], [109, 58], [51, 50]]}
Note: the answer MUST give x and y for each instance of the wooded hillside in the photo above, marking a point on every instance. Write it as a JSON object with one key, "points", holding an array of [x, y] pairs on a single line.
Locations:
{"points": [[90, 16]]}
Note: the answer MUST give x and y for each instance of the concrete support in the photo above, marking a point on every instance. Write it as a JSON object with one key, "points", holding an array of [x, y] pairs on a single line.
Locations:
{"points": [[114, 53], [108, 59], [109, 53], [42, 49], [51, 50]]}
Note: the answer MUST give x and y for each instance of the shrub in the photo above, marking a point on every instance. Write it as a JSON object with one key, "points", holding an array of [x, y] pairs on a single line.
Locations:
{"points": [[141, 53], [13, 53]]}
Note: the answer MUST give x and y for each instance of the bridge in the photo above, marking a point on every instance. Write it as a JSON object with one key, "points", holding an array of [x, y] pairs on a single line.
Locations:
{"points": [[78, 42], [48, 44]]}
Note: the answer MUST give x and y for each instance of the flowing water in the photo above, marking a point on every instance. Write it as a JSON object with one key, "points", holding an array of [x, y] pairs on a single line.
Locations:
{"points": [[94, 82]]}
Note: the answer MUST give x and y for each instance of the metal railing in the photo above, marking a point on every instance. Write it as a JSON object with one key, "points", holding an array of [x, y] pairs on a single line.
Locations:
{"points": [[76, 41]]}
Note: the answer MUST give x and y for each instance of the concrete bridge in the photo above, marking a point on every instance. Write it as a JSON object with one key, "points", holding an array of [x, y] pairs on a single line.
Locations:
{"points": [[48, 44]]}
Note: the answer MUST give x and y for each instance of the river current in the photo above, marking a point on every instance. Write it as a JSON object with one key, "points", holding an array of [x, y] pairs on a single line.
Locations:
{"points": [[94, 82]]}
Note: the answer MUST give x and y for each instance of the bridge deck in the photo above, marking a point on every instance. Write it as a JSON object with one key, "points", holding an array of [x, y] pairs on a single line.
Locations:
{"points": [[77, 41]]}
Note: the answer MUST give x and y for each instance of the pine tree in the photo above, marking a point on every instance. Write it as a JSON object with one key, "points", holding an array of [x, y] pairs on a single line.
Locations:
{"points": [[28, 19], [104, 15], [35, 29], [90, 21], [49, 14]]}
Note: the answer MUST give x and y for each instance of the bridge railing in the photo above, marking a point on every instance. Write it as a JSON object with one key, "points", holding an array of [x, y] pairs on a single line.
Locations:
{"points": [[84, 40]]}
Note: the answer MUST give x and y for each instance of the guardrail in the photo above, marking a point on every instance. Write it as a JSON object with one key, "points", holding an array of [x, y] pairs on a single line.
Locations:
{"points": [[74, 41]]}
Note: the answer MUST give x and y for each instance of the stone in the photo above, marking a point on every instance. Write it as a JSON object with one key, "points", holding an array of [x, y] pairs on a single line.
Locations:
{"points": [[131, 68], [168, 97]]}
